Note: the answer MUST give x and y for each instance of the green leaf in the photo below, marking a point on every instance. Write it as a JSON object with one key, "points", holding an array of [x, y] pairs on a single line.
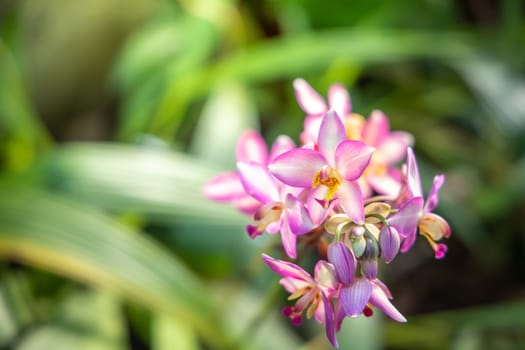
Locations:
{"points": [[171, 333], [79, 242]]}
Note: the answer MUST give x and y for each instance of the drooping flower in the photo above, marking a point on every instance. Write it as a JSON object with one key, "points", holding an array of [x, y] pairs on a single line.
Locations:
{"points": [[415, 213], [313, 294], [337, 164]]}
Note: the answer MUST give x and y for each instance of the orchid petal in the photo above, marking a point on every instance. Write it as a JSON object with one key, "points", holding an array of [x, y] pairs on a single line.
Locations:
{"points": [[288, 239], [224, 187], [339, 99], [329, 321], [297, 216], [331, 133], [344, 262], [394, 146], [351, 201], [355, 297], [376, 128], [413, 179], [258, 182], [384, 288], [297, 167], [380, 300], [434, 226], [287, 269], [247, 204], [432, 199], [282, 144], [308, 99], [406, 219], [312, 123], [389, 242], [352, 158], [251, 147]]}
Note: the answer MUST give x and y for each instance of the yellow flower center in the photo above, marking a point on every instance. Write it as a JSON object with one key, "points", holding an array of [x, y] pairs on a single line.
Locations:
{"points": [[330, 178]]}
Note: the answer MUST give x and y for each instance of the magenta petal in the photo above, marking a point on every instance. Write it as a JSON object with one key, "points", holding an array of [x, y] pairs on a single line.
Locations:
{"points": [[376, 128], [389, 242], [297, 216], [351, 201], [252, 148], [406, 219], [329, 322], [433, 199], [258, 182], [384, 184], [379, 299], [282, 144], [297, 167], [339, 99], [351, 158], [331, 133], [413, 179], [308, 99], [355, 297], [344, 262], [287, 269], [312, 123], [224, 187]]}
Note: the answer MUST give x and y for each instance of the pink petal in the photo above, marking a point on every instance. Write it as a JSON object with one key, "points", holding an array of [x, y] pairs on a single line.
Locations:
{"points": [[282, 144], [312, 123], [351, 158], [297, 216], [433, 199], [376, 128], [297, 167], [247, 204], [339, 99], [394, 146], [355, 297], [251, 147], [413, 179], [308, 99], [384, 184], [380, 300], [224, 187], [287, 269], [351, 201], [331, 134], [288, 239], [258, 182], [329, 321], [406, 219]]}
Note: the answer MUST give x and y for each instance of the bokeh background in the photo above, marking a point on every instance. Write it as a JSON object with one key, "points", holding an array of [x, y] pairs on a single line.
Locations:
{"points": [[114, 113]]}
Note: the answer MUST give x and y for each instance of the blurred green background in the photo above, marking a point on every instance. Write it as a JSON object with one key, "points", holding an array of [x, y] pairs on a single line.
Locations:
{"points": [[114, 113]]}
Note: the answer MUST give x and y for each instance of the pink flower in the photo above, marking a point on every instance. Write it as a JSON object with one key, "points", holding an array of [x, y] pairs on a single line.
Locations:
{"points": [[312, 294], [280, 209], [337, 164], [416, 214]]}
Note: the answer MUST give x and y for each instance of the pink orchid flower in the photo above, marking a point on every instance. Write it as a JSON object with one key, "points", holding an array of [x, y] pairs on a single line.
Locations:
{"points": [[416, 214], [280, 209], [312, 294], [337, 164], [228, 188]]}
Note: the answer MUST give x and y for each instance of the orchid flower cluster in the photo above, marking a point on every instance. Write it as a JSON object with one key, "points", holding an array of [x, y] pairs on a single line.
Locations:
{"points": [[345, 191]]}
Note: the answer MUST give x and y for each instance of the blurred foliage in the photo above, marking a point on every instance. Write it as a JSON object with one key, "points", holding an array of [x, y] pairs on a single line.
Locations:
{"points": [[107, 243]]}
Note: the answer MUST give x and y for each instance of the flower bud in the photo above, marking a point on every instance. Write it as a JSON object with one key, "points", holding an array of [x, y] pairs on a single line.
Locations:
{"points": [[369, 259], [389, 243]]}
